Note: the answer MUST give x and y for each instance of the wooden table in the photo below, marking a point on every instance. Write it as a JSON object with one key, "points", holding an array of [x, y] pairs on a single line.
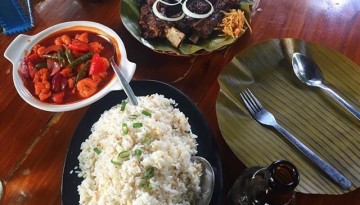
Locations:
{"points": [[34, 142]]}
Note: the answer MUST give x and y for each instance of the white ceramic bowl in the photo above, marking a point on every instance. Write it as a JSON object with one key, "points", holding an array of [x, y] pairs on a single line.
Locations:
{"points": [[16, 51]]}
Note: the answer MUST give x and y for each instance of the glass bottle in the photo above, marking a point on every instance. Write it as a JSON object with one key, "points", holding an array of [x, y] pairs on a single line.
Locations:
{"points": [[272, 185]]}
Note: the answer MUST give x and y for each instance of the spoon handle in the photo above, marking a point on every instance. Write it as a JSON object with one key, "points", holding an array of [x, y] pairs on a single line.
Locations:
{"points": [[129, 92], [341, 101]]}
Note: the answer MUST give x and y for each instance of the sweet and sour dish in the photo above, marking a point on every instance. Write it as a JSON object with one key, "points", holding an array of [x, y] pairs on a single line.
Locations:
{"points": [[67, 67]]}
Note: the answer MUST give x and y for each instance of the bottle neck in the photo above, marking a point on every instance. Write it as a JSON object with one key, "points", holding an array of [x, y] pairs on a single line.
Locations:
{"points": [[273, 185], [282, 176]]}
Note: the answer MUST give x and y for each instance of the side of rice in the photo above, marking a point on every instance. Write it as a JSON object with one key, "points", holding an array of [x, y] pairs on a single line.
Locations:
{"points": [[140, 155]]}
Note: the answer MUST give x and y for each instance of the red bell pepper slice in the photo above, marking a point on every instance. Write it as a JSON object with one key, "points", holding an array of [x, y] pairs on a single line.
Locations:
{"points": [[97, 65]]}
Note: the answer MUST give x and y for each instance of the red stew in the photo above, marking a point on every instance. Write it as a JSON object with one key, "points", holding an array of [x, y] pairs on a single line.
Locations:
{"points": [[67, 67]]}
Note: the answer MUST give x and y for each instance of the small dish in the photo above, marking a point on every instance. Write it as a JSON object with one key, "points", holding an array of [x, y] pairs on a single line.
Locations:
{"points": [[23, 43]]}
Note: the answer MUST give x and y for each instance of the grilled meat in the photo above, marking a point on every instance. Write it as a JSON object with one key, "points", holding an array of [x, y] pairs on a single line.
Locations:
{"points": [[186, 24], [200, 7], [204, 27], [226, 4], [151, 26]]}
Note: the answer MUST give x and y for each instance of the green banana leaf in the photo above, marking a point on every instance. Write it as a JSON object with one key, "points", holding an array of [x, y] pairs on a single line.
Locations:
{"points": [[130, 16]]}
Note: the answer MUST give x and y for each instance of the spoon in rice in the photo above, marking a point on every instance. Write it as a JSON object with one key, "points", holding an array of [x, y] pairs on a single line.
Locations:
{"points": [[128, 91], [207, 180]]}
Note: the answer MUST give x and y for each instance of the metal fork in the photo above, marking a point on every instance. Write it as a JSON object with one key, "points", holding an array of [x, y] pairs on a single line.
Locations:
{"points": [[266, 118]]}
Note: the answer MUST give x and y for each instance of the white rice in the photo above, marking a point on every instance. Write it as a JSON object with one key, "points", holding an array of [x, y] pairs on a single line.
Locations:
{"points": [[166, 143]]}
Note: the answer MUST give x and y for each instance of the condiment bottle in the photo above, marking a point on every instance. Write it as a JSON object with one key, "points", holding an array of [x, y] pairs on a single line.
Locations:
{"points": [[272, 185]]}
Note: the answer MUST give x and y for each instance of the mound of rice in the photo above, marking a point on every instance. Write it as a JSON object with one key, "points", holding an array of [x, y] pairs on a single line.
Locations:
{"points": [[140, 155]]}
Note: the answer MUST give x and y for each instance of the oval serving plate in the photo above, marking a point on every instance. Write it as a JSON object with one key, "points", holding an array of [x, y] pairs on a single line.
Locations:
{"points": [[306, 112], [206, 148], [130, 17]]}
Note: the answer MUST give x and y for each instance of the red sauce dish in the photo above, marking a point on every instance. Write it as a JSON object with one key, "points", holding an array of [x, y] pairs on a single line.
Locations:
{"points": [[66, 66]]}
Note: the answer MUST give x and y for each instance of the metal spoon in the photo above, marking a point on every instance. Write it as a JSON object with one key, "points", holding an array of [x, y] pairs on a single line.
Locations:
{"points": [[128, 91], [207, 181], [309, 73]]}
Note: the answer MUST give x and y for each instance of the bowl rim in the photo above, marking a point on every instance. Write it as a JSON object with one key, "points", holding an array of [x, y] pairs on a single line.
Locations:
{"points": [[25, 43]]}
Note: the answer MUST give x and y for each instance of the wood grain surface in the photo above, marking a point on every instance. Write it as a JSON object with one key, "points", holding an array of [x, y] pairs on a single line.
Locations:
{"points": [[34, 142]]}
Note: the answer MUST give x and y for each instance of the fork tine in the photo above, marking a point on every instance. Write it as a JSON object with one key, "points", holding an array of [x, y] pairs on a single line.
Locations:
{"points": [[244, 97], [254, 100]]}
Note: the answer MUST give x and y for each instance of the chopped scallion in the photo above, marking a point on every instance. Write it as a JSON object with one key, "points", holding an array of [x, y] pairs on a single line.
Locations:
{"points": [[137, 124], [146, 113], [97, 150], [120, 158], [125, 128], [149, 173], [133, 117], [138, 152], [116, 162], [124, 154], [123, 105]]}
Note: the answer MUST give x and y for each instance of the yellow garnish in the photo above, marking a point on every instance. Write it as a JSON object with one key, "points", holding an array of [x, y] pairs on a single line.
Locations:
{"points": [[233, 23]]}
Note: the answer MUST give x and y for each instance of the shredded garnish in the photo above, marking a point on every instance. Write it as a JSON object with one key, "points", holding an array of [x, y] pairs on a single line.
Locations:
{"points": [[233, 23]]}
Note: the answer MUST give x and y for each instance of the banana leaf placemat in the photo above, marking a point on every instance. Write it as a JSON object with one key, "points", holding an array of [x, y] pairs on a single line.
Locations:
{"points": [[306, 112]]}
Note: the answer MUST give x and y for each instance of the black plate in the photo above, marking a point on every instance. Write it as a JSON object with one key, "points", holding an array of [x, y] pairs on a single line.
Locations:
{"points": [[207, 146]]}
